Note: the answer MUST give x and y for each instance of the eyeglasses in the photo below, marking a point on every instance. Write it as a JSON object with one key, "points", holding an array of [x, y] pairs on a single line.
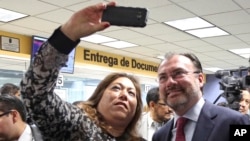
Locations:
{"points": [[175, 75], [5, 113]]}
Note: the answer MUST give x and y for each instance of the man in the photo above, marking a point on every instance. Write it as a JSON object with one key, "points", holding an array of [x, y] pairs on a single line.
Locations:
{"points": [[12, 120], [14, 90], [244, 102], [9, 88], [158, 114], [180, 83]]}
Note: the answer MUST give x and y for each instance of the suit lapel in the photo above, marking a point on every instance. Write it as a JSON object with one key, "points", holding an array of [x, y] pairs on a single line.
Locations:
{"points": [[206, 124], [169, 128]]}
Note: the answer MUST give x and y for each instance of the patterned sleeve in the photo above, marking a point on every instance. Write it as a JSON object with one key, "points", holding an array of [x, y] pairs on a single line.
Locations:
{"points": [[54, 117]]}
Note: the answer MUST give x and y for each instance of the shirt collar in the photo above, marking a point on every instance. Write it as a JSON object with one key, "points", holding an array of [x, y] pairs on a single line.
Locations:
{"points": [[26, 135], [193, 113]]}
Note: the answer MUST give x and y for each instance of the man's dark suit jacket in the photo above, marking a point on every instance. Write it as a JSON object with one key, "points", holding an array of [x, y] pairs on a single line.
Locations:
{"points": [[213, 124]]}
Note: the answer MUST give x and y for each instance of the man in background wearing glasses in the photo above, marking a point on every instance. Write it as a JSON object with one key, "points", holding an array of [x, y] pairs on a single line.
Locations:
{"points": [[158, 114], [12, 120]]}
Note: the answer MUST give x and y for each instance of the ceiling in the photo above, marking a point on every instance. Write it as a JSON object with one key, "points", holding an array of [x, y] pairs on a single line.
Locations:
{"points": [[155, 39]]}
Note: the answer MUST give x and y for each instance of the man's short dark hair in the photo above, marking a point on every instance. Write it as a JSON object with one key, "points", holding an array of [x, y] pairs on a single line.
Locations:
{"points": [[11, 102], [9, 88], [153, 95]]}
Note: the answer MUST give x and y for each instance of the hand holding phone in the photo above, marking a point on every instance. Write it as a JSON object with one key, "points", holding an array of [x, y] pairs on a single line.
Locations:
{"points": [[125, 16]]}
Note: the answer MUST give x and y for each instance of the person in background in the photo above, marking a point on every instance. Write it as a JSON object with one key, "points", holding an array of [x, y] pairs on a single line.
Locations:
{"points": [[110, 114], [9, 88], [245, 103], [180, 84], [145, 109], [14, 90], [13, 124], [158, 114]]}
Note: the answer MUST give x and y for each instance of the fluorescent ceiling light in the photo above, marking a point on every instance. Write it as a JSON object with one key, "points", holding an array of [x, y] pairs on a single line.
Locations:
{"points": [[207, 32], [212, 69], [189, 23], [95, 38], [7, 15], [243, 52], [119, 44], [245, 55], [160, 57], [240, 51]]}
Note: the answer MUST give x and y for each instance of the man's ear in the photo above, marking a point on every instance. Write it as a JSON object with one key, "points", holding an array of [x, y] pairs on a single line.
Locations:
{"points": [[151, 104], [15, 116], [201, 78]]}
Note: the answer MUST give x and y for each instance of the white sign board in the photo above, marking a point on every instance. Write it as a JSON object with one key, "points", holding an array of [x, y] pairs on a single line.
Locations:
{"points": [[59, 81], [10, 44]]}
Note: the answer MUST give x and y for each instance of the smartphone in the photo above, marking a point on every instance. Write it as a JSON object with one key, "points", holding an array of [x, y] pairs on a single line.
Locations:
{"points": [[125, 16]]}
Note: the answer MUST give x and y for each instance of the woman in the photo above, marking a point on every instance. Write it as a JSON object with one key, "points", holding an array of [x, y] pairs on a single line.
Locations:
{"points": [[110, 114]]}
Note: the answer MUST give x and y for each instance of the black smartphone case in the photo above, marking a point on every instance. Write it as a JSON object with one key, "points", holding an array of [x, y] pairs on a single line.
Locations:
{"points": [[125, 16]]}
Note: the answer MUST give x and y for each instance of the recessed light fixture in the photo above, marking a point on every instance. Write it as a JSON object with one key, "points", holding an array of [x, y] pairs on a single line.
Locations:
{"points": [[212, 69], [207, 32], [198, 27], [7, 15], [160, 57], [189, 23], [243, 52], [95, 38], [119, 44]]}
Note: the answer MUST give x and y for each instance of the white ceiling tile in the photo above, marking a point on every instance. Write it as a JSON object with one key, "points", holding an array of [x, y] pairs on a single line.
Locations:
{"points": [[165, 47], [222, 40], [176, 36], [229, 18], [203, 57], [33, 23], [150, 59], [206, 7], [123, 34], [234, 46], [140, 50], [244, 37], [243, 3], [158, 12], [145, 40], [191, 43], [222, 55], [219, 64], [142, 3], [17, 29], [30, 7], [83, 4], [63, 3], [53, 15], [238, 28], [155, 29], [95, 46], [238, 62], [204, 48]]}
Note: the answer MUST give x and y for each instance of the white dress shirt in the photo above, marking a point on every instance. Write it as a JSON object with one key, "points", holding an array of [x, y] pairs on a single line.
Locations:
{"points": [[26, 135], [147, 126], [192, 115]]}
